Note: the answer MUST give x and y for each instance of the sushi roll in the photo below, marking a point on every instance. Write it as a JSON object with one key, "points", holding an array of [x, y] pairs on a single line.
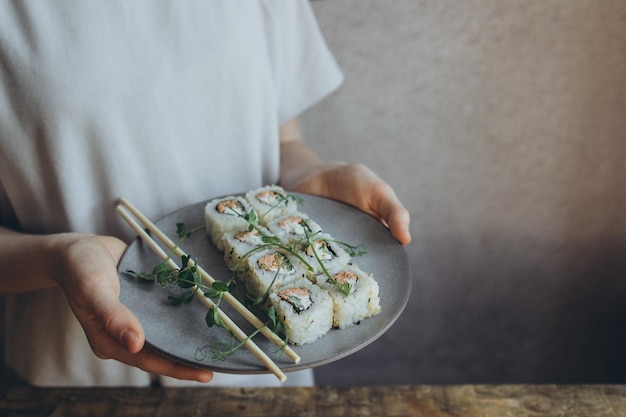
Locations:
{"points": [[269, 270], [362, 300], [291, 227], [223, 215], [270, 202], [305, 310], [239, 243], [323, 252]]}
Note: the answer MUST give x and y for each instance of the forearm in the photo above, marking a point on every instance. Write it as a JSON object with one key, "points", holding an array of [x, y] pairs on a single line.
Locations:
{"points": [[297, 160], [32, 262], [26, 261]]}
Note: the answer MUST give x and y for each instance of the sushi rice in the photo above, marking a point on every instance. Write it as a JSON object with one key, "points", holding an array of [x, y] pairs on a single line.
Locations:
{"points": [[239, 242], [269, 268], [323, 252], [305, 309], [270, 202], [223, 215], [292, 227], [362, 301]]}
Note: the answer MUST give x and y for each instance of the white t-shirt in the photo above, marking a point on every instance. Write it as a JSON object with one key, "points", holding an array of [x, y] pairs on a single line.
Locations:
{"points": [[164, 102]]}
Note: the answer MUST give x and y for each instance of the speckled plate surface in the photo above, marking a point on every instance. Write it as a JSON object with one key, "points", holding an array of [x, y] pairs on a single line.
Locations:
{"points": [[179, 332]]}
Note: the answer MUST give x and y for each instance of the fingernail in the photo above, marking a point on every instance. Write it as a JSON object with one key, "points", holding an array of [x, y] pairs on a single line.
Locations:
{"points": [[205, 377]]}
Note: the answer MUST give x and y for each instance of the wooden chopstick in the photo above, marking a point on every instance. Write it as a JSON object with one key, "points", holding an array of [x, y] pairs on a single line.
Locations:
{"points": [[228, 297], [232, 326]]}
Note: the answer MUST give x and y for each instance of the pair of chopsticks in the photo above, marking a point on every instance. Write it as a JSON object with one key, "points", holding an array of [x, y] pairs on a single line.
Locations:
{"points": [[125, 207]]}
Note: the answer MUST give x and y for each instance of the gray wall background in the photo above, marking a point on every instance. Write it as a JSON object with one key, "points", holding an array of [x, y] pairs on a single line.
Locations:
{"points": [[502, 126]]}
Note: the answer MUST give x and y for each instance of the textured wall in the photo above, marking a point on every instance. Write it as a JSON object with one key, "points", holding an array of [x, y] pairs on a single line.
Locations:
{"points": [[502, 126]]}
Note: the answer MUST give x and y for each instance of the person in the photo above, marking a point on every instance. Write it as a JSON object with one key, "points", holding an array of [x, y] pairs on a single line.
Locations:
{"points": [[166, 103]]}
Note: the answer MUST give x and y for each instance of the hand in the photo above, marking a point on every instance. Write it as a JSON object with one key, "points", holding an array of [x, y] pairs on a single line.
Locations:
{"points": [[87, 273], [303, 170], [357, 185]]}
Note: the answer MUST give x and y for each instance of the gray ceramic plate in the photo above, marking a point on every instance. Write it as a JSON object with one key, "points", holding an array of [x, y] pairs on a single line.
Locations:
{"points": [[178, 332]]}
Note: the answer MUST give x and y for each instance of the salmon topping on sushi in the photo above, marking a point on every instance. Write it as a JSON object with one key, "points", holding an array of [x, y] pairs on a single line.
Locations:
{"points": [[346, 277], [289, 221], [232, 207], [298, 297], [322, 249], [294, 225], [273, 261], [247, 236], [271, 197]]}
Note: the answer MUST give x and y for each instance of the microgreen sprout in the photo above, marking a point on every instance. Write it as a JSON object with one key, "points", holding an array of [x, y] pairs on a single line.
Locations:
{"points": [[273, 241], [269, 241], [354, 251], [182, 232], [216, 292], [343, 288], [260, 301], [188, 279], [222, 350], [282, 199]]}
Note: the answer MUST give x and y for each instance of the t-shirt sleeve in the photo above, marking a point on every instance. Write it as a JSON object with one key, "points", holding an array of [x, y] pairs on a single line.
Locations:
{"points": [[304, 69]]}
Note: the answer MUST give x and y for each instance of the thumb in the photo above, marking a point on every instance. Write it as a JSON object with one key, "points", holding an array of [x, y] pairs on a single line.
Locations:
{"points": [[115, 318], [92, 288], [388, 207], [107, 323]]}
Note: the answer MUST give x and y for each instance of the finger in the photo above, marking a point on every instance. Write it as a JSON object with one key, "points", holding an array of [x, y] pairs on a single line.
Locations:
{"points": [[101, 300], [120, 323], [387, 206], [96, 305], [153, 362], [107, 347], [399, 221]]}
